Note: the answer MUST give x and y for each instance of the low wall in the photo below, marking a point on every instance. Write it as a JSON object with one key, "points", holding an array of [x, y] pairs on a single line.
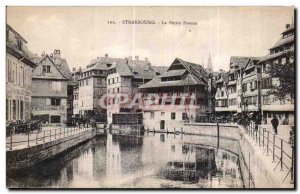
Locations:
{"points": [[230, 131], [18, 159]]}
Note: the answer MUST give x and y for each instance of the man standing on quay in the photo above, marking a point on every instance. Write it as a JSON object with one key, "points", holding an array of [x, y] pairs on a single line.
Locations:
{"points": [[275, 123]]}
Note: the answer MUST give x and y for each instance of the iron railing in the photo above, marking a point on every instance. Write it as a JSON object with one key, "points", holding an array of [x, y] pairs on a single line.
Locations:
{"points": [[283, 152], [36, 137]]}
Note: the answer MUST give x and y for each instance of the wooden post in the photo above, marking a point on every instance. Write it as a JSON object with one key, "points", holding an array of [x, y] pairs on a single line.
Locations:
{"points": [[55, 134], [50, 135]]}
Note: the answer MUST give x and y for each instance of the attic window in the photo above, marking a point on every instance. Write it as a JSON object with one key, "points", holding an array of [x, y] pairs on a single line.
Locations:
{"points": [[157, 73], [135, 72], [46, 68]]}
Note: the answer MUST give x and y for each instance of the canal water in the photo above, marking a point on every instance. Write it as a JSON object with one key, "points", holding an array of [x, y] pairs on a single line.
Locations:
{"points": [[150, 161]]}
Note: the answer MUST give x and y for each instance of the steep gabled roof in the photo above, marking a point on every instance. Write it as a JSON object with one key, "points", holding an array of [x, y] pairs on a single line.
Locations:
{"points": [[239, 61], [64, 68], [196, 75], [51, 76]]}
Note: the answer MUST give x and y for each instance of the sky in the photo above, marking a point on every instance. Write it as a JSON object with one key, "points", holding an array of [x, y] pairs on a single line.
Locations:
{"points": [[83, 33]]}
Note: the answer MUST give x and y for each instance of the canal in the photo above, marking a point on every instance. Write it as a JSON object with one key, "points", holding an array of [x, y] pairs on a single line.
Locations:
{"points": [[153, 160]]}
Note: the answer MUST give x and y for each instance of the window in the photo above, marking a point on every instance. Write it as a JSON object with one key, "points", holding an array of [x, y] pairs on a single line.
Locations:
{"points": [[19, 43], [162, 114], [14, 109], [56, 86], [87, 82], [283, 61], [55, 119], [173, 115], [99, 81], [22, 77], [55, 101], [108, 81], [7, 107], [184, 116], [222, 93], [266, 99], [21, 110], [151, 115], [46, 68]]}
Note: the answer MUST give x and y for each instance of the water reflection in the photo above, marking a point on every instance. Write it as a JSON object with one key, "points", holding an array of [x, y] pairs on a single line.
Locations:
{"points": [[152, 160]]}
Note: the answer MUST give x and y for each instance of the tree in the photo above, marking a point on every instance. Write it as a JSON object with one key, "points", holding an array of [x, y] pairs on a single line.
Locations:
{"points": [[285, 90]]}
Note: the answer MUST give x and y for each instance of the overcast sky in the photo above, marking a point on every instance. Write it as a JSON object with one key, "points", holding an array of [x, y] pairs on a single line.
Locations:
{"points": [[83, 33]]}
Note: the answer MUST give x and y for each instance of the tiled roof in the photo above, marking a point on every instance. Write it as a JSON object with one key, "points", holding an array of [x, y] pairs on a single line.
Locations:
{"points": [[282, 41], [196, 76], [172, 73], [135, 68], [11, 48], [238, 61], [156, 82], [275, 55], [160, 69], [141, 69], [122, 68], [64, 68]]}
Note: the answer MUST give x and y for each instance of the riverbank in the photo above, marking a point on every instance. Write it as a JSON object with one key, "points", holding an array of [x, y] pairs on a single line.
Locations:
{"points": [[29, 156]]}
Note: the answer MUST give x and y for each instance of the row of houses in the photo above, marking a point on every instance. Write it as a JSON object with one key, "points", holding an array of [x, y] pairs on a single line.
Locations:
{"points": [[245, 87], [159, 97]]}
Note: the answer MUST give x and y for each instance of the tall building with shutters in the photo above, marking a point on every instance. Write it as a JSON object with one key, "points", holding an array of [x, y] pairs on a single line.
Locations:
{"points": [[18, 77]]}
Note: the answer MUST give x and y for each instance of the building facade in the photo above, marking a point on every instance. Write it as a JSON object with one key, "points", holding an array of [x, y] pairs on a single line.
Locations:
{"points": [[92, 86], [281, 52], [75, 77], [49, 92], [18, 77], [179, 95], [123, 79]]}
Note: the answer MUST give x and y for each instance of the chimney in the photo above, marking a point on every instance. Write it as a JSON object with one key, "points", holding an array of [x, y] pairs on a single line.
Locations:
{"points": [[106, 55], [56, 57], [79, 68], [43, 54], [51, 56], [146, 59], [136, 58], [287, 26], [74, 68]]}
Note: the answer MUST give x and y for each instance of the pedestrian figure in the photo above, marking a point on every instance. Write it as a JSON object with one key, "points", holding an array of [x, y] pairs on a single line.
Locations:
{"points": [[275, 123]]}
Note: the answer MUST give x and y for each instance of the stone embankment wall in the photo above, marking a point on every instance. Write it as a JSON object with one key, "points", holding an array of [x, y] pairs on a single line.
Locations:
{"points": [[19, 159]]}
